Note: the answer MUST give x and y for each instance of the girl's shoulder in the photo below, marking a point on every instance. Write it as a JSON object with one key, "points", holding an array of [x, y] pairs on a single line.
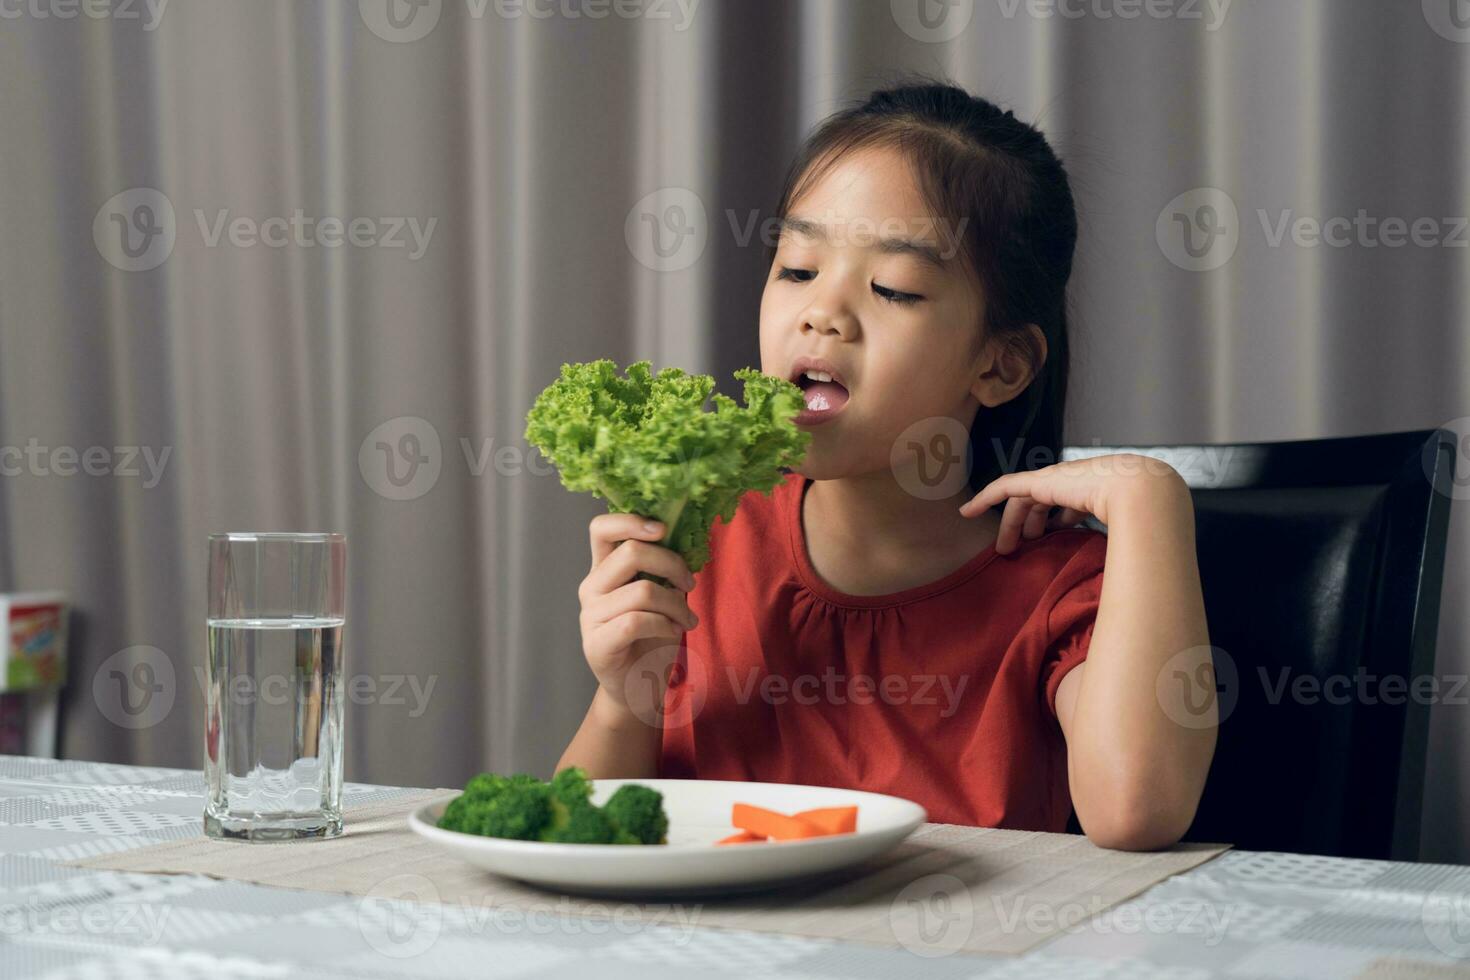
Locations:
{"points": [[1062, 559], [1083, 542]]}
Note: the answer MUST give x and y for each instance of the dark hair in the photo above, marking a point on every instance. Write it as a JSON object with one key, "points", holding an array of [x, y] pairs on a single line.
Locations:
{"points": [[997, 174]]}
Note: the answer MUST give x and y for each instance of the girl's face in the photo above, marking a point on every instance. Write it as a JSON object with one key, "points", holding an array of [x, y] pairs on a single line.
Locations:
{"points": [[864, 288]]}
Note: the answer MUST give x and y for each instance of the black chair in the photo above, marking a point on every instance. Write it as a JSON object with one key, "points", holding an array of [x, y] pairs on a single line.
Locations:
{"points": [[1320, 559]]}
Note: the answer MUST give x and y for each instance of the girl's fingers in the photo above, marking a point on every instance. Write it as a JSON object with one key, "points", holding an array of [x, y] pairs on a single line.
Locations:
{"points": [[629, 558], [1011, 521], [993, 493], [641, 596], [1067, 517], [606, 530], [1035, 525], [625, 630]]}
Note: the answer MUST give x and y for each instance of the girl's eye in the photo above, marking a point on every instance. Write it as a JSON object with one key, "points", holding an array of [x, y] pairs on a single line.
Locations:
{"points": [[888, 295], [894, 296], [795, 275]]}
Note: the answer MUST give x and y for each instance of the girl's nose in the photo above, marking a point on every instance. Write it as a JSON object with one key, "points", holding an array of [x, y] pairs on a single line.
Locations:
{"points": [[828, 318]]}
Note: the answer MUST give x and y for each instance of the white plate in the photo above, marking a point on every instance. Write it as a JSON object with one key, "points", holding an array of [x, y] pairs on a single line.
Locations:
{"points": [[699, 815]]}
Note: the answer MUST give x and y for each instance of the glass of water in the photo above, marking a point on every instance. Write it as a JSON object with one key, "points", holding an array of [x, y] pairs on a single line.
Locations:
{"points": [[273, 736]]}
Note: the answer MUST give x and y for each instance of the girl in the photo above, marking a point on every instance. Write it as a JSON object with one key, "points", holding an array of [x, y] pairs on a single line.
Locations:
{"points": [[875, 623]]}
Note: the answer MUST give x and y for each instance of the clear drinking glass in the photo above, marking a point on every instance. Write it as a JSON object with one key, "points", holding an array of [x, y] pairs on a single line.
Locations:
{"points": [[273, 738]]}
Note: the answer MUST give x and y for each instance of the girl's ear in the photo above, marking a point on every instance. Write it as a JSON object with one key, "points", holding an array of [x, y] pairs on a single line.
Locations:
{"points": [[1008, 365]]}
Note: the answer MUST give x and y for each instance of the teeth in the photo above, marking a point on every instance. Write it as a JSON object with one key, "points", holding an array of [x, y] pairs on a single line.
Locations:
{"points": [[817, 375]]}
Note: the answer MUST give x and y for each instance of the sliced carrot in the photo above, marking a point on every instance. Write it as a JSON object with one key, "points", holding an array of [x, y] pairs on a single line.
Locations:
{"points": [[769, 823], [832, 819], [744, 837]]}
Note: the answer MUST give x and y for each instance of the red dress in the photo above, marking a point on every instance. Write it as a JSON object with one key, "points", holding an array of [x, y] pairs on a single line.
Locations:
{"points": [[943, 693]]}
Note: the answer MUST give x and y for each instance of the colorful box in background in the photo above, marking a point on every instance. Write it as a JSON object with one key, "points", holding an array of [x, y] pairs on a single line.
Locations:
{"points": [[33, 627], [33, 632]]}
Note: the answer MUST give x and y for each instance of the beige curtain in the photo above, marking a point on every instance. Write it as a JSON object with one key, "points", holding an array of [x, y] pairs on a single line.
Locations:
{"points": [[361, 236]]}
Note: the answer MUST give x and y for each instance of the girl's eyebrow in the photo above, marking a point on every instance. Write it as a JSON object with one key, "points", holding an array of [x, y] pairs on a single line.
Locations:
{"points": [[893, 245]]}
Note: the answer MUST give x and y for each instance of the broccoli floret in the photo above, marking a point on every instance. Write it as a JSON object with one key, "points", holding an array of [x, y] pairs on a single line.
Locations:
{"points": [[639, 811], [519, 812], [571, 786], [579, 823], [466, 811], [522, 807], [488, 784], [453, 818]]}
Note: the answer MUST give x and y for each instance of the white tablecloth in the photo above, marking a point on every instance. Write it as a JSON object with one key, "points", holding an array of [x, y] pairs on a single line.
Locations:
{"points": [[1243, 915]]}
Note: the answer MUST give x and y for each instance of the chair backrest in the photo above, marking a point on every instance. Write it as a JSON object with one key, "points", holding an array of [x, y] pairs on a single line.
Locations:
{"points": [[1321, 563]]}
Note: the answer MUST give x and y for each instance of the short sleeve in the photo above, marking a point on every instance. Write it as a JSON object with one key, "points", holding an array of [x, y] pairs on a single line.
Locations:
{"points": [[1078, 590]]}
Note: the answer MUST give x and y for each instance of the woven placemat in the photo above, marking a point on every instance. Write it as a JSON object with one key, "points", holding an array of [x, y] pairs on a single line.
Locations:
{"points": [[945, 889]]}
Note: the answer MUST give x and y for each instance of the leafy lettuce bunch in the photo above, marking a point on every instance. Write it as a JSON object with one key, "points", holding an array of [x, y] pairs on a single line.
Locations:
{"points": [[645, 443]]}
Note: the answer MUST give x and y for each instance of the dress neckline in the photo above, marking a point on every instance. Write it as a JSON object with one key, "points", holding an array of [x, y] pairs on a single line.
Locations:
{"points": [[814, 583]]}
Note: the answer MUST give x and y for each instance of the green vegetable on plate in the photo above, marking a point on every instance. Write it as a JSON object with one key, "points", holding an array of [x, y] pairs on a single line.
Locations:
{"points": [[522, 807], [646, 444]]}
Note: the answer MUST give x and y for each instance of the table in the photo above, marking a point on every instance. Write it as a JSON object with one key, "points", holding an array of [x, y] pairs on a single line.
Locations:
{"points": [[1243, 915]]}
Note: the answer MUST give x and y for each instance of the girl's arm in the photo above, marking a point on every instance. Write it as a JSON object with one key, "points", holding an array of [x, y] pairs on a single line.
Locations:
{"points": [[1136, 758], [613, 743], [1135, 772]]}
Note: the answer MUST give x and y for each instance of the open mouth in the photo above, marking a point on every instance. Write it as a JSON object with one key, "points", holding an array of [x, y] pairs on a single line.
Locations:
{"points": [[825, 396]]}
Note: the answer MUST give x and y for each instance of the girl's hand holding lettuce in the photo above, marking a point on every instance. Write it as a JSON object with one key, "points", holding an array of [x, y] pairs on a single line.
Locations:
{"points": [[667, 468]]}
